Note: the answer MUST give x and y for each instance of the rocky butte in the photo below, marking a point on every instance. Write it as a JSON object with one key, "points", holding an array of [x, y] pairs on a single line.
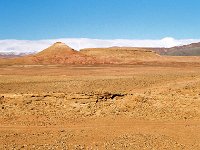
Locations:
{"points": [[60, 53]]}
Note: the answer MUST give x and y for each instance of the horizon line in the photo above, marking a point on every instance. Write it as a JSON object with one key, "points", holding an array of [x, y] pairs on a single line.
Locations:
{"points": [[27, 46]]}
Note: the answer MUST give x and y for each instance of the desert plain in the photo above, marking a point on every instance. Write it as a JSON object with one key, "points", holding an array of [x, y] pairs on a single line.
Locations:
{"points": [[143, 105], [100, 106]]}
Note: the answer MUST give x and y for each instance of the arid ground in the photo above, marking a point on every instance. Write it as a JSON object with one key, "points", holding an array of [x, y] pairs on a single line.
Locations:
{"points": [[100, 106]]}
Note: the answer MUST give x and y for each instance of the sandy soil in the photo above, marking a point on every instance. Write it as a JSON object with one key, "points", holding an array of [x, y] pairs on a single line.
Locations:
{"points": [[100, 106]]}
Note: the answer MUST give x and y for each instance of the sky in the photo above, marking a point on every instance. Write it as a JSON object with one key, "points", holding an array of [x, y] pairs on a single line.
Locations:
{"points": [[135, 21]]}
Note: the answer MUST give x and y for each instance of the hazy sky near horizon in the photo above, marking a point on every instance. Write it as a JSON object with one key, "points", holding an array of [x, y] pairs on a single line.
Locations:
{"points": [[99, 19], [32, 25]]}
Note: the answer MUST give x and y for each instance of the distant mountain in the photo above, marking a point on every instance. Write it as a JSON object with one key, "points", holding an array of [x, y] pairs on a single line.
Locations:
{"points": [[11, 55], [60, 53], [186, 50]]}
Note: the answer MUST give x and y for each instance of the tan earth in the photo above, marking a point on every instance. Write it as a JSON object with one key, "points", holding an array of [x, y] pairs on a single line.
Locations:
{"points": [[101, 106], [60, 53]]}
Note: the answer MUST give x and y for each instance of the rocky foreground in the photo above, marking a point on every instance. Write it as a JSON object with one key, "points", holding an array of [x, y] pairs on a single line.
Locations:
{"points": [[99, 107]]}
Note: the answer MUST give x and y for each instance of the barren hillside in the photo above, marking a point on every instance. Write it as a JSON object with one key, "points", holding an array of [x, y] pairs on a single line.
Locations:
{"points": [[61, 54], [185, 50], [121, 54], [58, 53]]}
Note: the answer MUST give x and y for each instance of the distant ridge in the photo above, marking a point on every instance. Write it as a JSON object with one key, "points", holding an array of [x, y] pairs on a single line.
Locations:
{"points": [[185, 50], [11, 55], [61, 54], [121, 54]]}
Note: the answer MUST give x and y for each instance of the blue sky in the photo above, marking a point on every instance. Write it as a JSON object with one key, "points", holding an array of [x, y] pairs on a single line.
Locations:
{"points": [[100, 19]]}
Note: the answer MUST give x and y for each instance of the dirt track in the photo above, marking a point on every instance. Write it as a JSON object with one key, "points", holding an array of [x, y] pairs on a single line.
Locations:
{"points": [[100, 107]]}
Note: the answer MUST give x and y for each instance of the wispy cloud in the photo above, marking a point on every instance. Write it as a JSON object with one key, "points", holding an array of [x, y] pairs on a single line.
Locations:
{"points": [[24, 46]]}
